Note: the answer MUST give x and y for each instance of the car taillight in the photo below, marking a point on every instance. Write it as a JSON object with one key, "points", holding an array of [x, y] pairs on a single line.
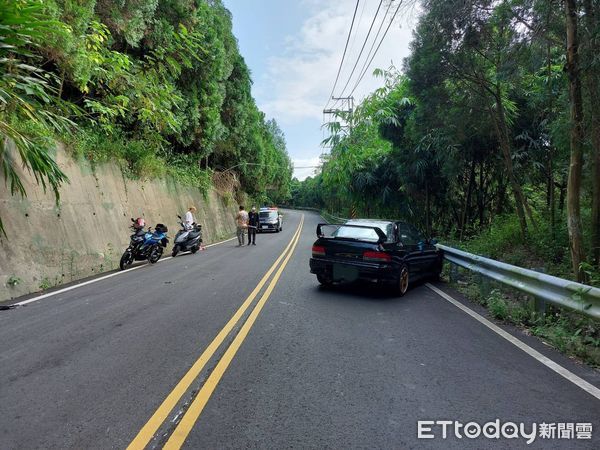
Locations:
{"points": [[317, 250], [377, 257]]}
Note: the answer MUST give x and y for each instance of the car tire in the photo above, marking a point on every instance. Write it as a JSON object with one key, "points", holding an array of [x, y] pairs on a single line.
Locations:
{"points": [[324, 281], [403, 280]]}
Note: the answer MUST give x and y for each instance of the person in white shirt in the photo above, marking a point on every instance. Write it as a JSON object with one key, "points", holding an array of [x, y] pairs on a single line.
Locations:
{"points": [[189, 217], [241, 221]]}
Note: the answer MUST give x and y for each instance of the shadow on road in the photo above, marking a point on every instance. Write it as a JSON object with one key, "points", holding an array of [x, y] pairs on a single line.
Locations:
{"points": [[365, 291]]}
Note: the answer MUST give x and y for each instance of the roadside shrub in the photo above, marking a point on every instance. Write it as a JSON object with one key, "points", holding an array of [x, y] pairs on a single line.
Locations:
{"points": [[497, 306], [543, 248], [94, 146], [519, 314], [502, 236], [186, 171], [144, 157]]}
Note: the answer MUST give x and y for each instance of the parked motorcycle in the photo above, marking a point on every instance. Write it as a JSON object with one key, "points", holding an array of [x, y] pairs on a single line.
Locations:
{"points": [[187, 238], [144, 244]]}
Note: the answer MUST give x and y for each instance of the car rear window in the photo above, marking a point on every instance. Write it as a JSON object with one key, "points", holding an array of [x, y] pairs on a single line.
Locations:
{"points": [[363, 234]]}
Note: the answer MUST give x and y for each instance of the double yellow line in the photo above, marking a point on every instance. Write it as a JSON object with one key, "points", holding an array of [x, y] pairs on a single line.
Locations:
{"points": [[192, 414]]}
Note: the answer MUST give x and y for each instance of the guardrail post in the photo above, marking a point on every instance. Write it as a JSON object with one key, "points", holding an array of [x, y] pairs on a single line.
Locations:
{"points": [[484, 286], [453, 273], [538, 304]]}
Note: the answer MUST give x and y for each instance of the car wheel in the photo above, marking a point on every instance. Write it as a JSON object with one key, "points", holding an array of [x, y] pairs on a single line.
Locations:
{"points": [[403, 280]]}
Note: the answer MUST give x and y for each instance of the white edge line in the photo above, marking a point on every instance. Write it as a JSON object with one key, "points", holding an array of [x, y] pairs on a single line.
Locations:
{"points": [[580, 382], [219, 243], [95, 280]]}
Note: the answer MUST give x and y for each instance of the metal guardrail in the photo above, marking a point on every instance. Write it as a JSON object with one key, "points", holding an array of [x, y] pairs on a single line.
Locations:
{"points": [[565, 293], [301, 208], [332, 218]]}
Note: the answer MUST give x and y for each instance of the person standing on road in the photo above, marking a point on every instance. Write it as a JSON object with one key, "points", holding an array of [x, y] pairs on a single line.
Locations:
{"points": [[253, 224], [242, 224]]}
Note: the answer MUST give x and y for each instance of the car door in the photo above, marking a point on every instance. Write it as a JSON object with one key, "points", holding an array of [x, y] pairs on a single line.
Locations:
{"points": [[426, 253], [409, 244]]}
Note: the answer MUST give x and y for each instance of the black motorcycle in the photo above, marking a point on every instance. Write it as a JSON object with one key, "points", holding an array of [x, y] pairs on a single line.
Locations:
{"points": [[144, 244], [187, 239]]}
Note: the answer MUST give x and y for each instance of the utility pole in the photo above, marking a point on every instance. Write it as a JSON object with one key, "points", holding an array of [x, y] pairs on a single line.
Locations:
{"points": [[331, 114]]}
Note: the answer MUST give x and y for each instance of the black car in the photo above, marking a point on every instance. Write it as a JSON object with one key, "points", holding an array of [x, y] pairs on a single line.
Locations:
{"points": [[381, 251]]}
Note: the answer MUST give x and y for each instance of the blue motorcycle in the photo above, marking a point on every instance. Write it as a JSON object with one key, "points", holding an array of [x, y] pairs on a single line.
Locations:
{"points": [[145, 244]]}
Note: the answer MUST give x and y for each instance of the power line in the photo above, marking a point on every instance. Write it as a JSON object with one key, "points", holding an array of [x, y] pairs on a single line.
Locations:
{"points": [[375, 40], [351, 47], [349, 99], [377, 49], [362, 12], [344, 55], [362, 48]]}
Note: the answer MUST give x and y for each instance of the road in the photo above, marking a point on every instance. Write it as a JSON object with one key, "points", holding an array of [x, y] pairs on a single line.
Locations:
{"points": [[157, 357]]}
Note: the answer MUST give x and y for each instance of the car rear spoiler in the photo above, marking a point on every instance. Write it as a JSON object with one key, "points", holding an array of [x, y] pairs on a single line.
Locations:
{"points": [[380, 234]]}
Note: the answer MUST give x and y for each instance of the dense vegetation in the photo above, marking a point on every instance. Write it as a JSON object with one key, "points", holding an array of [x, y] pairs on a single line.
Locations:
{"points": [[490, 136], [158, 86]]}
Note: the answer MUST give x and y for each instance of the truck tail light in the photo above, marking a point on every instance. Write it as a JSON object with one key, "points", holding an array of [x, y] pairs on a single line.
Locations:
{"points": [[377, 256], [318, 250]]}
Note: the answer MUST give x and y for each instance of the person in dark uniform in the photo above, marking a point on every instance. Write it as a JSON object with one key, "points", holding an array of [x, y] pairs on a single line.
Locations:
{"points": [[253, 224]]}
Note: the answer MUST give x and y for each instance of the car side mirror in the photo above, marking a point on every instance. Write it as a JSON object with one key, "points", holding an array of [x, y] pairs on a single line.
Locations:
{"points": [[433, 241]]}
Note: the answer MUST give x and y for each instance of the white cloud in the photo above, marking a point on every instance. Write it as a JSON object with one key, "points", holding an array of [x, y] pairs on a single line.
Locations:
{"points": [[298, 83], [305, 167]]}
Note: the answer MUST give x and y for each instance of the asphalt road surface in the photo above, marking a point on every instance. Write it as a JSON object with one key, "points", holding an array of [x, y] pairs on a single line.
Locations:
{"points": [[240, 348]]}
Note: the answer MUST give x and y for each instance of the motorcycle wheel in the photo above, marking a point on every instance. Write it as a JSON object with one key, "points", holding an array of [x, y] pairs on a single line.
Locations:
{"points": [[126, 260], [175, 251], [194, 249], [155, 255]]}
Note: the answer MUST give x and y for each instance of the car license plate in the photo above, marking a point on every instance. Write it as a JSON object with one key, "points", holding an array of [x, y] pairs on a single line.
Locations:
{"points": [[264, 226], [343, 272]]}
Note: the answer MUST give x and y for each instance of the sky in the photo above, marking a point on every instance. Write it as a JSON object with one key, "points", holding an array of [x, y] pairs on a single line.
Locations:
{"points": [[293, 49]]}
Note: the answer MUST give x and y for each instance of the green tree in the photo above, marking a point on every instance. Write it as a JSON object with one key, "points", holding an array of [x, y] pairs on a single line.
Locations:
{"points": [[30, 109]]}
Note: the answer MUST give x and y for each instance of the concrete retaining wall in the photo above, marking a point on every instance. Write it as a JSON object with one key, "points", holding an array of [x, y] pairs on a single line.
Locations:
{"points": [[86, 233]]}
